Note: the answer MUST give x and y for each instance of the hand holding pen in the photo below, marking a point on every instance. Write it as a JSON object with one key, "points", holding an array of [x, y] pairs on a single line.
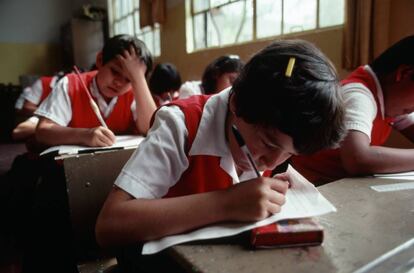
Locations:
{"points": [[98, 136], [257, 198]]}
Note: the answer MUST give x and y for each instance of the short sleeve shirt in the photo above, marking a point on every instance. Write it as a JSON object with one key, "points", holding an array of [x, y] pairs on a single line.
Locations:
{"points": [[160, 160], [58, 108], [361, 107]]}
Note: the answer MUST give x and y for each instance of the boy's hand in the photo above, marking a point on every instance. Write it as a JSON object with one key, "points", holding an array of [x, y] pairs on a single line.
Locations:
{"points": [[99, 137], [256, 199], [132, 64]]}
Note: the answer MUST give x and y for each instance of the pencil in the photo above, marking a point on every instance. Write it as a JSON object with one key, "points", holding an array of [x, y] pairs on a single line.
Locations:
{"points": [[244, 148], [91, 101]]}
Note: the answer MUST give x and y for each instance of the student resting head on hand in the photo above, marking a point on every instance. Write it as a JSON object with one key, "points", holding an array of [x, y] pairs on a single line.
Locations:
{"points": [[118, 88]]}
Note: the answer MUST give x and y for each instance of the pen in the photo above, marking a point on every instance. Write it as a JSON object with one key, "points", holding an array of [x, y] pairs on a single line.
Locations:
{"points": [[244, 148], [91, 101]]}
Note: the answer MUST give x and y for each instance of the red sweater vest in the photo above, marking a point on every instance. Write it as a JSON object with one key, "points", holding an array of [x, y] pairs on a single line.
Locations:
{"points": [[119, 121], [326, 165], [46, 89], [204, 172]]}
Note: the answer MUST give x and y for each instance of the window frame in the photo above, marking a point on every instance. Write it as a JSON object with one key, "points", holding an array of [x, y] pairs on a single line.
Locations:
{"points": [[154, 30], [191, 13]]}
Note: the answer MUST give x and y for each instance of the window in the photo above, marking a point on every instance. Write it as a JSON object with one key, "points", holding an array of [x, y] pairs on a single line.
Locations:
{"points": [[124, 19], [213, 23]]}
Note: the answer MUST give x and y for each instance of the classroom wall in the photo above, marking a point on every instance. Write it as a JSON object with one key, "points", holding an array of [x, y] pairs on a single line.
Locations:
{"points": [[401, 20], [29, 37], [191, 65]]}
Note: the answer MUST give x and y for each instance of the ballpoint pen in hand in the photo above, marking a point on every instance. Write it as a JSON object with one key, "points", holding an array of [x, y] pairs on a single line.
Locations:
{"points": [[244, 148]]}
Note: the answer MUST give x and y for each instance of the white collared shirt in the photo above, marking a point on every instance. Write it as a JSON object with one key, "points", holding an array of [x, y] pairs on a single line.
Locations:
{"points": [[33, 93], [361, 107], [189, 89], [160, 160], [58, 108]]}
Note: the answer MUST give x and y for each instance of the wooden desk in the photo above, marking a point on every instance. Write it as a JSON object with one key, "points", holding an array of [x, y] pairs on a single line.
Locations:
{"points": [[367, 225], [89, 179]]}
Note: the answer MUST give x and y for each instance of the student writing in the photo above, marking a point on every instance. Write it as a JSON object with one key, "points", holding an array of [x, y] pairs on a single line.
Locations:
{"points": [[379, 97], [185, 174], [67, 116]]}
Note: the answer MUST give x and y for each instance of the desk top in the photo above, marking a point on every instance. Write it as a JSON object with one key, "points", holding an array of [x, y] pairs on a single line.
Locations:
{"points": [[366, 225]]}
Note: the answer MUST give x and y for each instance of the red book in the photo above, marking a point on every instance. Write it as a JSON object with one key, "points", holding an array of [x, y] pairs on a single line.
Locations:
{"points": [[288, 233]]}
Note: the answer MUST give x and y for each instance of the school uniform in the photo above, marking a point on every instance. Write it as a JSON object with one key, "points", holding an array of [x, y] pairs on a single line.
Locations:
{"points": [[68, 105], [364, 102], [37, 92], [190, 88], [159, 101], [185, 151]]}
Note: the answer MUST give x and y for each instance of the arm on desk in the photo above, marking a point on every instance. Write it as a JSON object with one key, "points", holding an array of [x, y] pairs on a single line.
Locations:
{"points": [[125, 220], [360, 158], [52, 134]]}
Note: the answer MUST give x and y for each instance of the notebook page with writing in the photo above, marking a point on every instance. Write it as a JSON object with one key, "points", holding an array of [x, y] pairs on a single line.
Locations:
{"points": [[121, 142], [302, 200]]}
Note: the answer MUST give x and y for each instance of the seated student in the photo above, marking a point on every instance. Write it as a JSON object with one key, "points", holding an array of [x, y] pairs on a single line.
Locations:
{"points": [[27, 104], [67, 117], [164, 83], [191, 156], [379, 97], [217, 76]]}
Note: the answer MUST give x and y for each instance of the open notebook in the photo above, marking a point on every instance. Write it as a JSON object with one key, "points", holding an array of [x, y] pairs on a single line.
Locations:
{"points": [[302, 200], [122, 142]]}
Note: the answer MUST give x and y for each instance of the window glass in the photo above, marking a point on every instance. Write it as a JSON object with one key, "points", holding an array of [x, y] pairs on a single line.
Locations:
{"points": [[200, 35], [215, 3], [226, 22], [200, 5], [269, 18], [331, 12], [125, 20], [299, 15]]}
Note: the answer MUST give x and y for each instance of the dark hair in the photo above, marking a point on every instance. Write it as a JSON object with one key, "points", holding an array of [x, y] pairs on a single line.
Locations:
{"points": [[164, 78], [307, 106], [117, 44], [400, 53], [220, 66]]}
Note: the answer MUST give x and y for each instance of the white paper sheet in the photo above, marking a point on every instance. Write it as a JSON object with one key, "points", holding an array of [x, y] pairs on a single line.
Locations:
{"points": [[393, 187], [401, 174], [302, 200], [125, 141]]}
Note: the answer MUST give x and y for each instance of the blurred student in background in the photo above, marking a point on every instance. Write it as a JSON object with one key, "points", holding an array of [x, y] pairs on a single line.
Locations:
{"points": [[218, 75], [27, 103], [164, 83]]}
